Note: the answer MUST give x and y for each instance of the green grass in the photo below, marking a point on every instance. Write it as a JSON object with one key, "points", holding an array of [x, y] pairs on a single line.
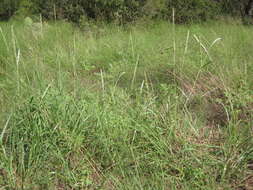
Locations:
{"points": [[140, 107]]}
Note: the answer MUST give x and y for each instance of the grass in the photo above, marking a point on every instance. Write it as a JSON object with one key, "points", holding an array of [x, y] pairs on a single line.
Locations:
{"points": [[139, 107]]}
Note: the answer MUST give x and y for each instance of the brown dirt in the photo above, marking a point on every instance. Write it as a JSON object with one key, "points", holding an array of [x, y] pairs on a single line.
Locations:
{"points": [[209, 88], [211, 92]]}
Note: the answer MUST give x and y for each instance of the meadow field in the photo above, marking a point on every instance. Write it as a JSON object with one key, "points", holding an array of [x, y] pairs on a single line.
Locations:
{"points": [[142, 106]]}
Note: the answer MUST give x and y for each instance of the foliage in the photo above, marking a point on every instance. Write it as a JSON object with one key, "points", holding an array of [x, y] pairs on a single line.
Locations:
{"points": [[155, 8], [124, 11], [192, 10], [8, 8], [99, 9]]}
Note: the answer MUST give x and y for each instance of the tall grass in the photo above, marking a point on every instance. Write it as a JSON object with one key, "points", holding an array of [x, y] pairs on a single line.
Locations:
{"points": [[148, 106]]}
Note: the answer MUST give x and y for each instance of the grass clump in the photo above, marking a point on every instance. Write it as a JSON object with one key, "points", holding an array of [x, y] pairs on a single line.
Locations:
{"points": [[126, 108]]}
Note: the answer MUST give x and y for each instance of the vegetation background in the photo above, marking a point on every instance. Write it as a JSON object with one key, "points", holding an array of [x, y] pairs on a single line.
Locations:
{"points": [[122, 94], [126, 10]]}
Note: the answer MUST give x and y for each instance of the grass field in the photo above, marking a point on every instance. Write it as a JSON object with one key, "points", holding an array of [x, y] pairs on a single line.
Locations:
{"points": [[147, 106]]}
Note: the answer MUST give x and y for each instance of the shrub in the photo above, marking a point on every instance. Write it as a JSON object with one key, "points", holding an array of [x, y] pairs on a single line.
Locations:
{"points": [[192, 10], [110, 10], [155, 8], [125, 10], [7, 8]]}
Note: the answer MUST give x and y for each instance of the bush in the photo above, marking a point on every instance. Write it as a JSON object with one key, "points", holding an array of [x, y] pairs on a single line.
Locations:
{"points": [[8, 8], [111, 10], [124, 10], [192, 10], [155, 8]]}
